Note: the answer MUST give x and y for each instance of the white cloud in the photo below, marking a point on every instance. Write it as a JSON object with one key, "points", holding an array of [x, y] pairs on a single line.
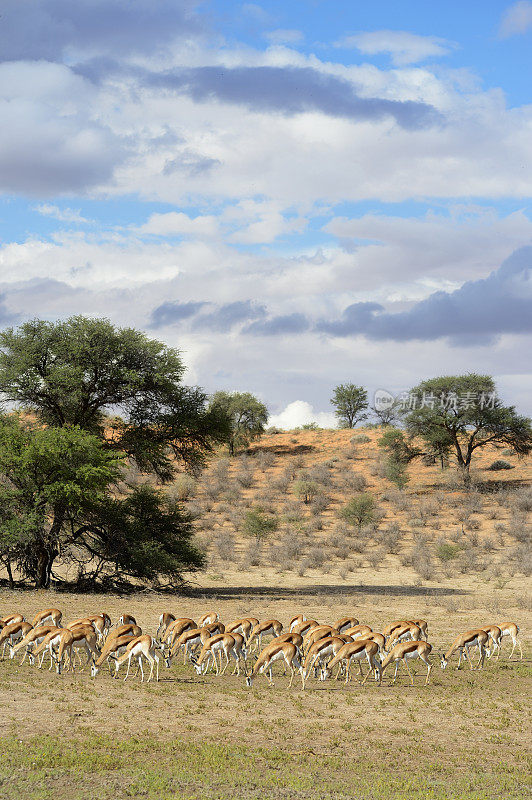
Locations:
{"points": [[62, 214], [301, 413], [517, 19], [176, 223], [403, 47]]}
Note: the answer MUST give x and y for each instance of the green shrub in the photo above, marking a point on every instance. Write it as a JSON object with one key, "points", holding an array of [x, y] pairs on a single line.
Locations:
{"points": [[500, 463]]}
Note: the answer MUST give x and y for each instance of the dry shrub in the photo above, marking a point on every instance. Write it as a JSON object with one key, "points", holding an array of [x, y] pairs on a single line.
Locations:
{"points": [[281, 484], [213, 489], [253, 554], [343, 571], [224, 544], [401, 500], [316, 558], [391, 537], [321, 474], [421, 558], [375, 558], [244, 477], [287, 550], [265, 460], [350, 453], [521, 499], [519, 528], [427, 508], [233, 494], [355, 482], [319, 504], [183, 488], [292, 512]]}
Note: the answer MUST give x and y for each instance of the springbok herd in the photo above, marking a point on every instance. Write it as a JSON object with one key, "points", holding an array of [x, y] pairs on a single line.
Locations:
{"points": [[308, 647]]}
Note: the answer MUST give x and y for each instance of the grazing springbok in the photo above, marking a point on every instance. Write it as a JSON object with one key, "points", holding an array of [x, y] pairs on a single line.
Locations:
{"points": [[46, 645], [189, 640], [13, 633], [165, 620], [77, 638], [512, 630], [10, 618], [344, 623], [462, 643], [208, 618], [114, 646], [175, 629], [50, 616], [286, 651], [409, 631], [317, 633], [271, 627], [297, 620], [230, 645], [319, 653], [495, 634], [243, 626], [304, 627], [355, 651], [406, 651], [32, 639], [139, 648]]}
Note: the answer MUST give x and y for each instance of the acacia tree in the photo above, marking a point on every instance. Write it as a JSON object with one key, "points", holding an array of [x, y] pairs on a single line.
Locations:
{"points": [[247, 416], [70, 375], [350, 403], [463, 414]]}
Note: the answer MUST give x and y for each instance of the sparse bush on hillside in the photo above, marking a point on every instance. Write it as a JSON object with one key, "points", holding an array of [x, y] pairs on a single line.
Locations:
{"points": [[354, 481], [213, 489], [421, 560], [395, 471], [281, 484], [258, 524], [233, 493], [321, 474], [224, 545], [253, 554], [391, 537], [264, 460], [183, 488], [360, 438], [320, 502], [220, 469], [446, 551], [306, 490], [359, 511], [401, 500], [521, 499], [350, 453], [499, 464], [287, 550], [376, 558], [316, 558]]}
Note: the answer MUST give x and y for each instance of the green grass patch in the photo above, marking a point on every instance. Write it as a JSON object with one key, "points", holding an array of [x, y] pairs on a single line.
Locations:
{"points": [[144, 767]]}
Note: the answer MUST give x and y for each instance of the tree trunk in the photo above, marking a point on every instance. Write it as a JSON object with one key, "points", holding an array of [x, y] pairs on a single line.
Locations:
{"points": [[10, 574], [43, 572]]}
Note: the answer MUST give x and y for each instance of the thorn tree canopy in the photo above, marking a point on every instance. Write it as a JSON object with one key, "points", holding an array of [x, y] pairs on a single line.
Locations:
{"points": [[60, 465], [463, 413], [78, 371], [247, 415], [350, 403]]}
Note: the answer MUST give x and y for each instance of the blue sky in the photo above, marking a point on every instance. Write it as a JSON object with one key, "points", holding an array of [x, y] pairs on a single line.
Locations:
{"points": [[295, 194]]}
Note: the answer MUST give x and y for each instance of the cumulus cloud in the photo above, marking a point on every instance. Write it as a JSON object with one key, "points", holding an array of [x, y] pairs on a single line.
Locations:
{"points": [[227, 316], [170, 313], [403, 47], [49, 141], [301, 413], [290, 90], [477, 312], [51, 29], [517, 19], [279, 325]]}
